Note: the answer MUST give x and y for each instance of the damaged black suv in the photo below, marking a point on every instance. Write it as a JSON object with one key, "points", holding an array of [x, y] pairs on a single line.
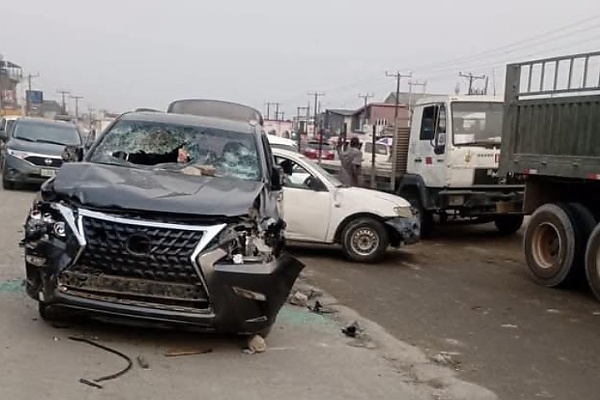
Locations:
{"points": [[168, 219]]}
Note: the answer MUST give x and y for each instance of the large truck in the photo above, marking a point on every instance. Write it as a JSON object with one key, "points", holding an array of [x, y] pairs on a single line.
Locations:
{"points": [[551, 140], [446, 165]]}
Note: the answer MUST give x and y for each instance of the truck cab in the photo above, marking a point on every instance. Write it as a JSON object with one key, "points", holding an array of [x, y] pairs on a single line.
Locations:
{"points": [[452, 160]]}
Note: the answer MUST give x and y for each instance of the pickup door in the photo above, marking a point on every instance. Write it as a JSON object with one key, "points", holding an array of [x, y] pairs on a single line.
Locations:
{"points": [[307, 205]]}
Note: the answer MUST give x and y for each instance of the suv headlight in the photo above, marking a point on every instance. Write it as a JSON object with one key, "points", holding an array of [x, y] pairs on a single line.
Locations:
{"points": [[244, 244], [19, 154]]}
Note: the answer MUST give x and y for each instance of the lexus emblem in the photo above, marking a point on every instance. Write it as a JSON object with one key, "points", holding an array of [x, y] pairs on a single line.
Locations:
{"points": [[48, 161], [138, 244]]}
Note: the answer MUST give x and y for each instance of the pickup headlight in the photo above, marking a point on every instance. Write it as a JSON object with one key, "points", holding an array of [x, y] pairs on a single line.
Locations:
{"points": [[404, 211], [19, 154]]}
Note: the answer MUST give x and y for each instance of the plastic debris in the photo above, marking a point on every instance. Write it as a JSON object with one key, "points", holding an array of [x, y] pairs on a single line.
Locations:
{"points": [[256, 344], [299, 299], [143, 362], [187, 352]]}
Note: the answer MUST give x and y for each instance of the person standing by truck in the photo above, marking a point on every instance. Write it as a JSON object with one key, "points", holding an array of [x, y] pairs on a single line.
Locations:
{"points": [[351, 160]]}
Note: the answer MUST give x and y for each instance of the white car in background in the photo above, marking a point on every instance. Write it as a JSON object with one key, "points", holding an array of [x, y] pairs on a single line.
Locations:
{"points": [[282, 143], [318, 208]]}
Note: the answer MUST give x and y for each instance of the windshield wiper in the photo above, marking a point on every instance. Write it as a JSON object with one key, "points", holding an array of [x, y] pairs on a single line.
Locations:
{"points": [[53, 142], [26, 139]]}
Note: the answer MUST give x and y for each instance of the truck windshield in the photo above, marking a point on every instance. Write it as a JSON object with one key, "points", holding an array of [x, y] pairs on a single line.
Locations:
{"points": [[144, 144], [477, 123]]}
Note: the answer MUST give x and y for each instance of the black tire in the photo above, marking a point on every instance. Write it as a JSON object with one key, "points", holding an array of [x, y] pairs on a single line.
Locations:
{"points": [[50, 314], [508, 224], [592, 262], [368, 233], [553, 244], [6, 184], [425, 217]]}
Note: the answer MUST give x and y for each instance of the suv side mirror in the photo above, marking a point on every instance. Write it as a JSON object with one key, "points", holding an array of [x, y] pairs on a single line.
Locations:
{"points": [[277, 178]]}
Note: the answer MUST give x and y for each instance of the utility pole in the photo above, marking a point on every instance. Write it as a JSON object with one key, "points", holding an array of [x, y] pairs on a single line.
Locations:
{"points": [[27, 100], [77, 98], [366, 98], [471, 78], [398, 76], [91, 111], [317, 95], [276, 110], [63, 94], [412, 83]]}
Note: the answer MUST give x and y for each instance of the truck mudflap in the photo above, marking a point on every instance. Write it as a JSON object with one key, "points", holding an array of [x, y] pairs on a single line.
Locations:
{"points": [[240, 298]]}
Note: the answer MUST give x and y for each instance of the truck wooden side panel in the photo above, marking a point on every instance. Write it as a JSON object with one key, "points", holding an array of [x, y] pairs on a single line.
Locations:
{"points": [[552, 131]]}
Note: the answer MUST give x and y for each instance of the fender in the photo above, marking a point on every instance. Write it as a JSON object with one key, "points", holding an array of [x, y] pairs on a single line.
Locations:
{"points": [[416, 181]]}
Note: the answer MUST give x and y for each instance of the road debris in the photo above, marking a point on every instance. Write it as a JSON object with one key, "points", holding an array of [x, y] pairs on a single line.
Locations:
{"points": [[256, 344], [178, 352], [552, 311], [318, 308], [352, 330], [96, 382], [143, 362], [447, 359], [299, 299], [509, 326]]}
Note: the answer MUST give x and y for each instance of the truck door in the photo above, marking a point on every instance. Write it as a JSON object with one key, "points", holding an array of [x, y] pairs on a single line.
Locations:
{"points": [[427, 152]]}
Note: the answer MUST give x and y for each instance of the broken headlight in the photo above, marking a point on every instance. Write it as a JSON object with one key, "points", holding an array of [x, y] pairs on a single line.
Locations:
{"points": [[44, 220], [245, 245]]}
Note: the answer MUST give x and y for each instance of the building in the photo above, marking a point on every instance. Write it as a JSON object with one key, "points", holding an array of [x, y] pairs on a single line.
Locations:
{"points": [[50, 109], [380, 116], [411, 99], [337, 121], [278, 128], [10, 76]]}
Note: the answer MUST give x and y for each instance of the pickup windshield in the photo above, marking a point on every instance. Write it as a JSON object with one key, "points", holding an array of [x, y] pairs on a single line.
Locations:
{"points": [[477, 123], [143, 144]]}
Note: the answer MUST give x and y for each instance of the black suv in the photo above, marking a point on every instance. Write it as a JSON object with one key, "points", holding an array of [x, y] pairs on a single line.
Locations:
{"points": [[168, 219], [33, 150]]}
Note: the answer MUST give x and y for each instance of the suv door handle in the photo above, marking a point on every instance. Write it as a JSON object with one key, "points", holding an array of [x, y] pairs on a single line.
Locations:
{"points": [[418, 159]]}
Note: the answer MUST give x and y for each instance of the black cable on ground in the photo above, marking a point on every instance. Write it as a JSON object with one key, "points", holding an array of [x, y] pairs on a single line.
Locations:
{"points": [[105, 348]]}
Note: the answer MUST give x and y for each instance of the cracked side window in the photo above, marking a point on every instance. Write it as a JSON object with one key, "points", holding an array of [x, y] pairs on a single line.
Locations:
{"points": [[145, 144]]}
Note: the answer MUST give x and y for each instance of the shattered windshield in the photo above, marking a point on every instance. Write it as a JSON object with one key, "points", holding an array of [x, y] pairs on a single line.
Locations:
{"points": [[190, 149], [477, 123]]}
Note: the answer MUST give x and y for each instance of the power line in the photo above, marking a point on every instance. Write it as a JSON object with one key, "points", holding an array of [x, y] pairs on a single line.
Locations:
{"points": [[513, 44], [471, 78]]}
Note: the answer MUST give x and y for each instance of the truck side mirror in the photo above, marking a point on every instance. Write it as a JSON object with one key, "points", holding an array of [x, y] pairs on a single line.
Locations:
{"points": [[439, 147]]}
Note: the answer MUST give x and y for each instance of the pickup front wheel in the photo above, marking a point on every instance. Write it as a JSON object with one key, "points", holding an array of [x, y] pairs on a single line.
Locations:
{"points": [[364, 240]]}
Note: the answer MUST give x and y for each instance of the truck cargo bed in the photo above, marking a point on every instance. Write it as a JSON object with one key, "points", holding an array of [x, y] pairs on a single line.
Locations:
{"points": [[552, 120]]}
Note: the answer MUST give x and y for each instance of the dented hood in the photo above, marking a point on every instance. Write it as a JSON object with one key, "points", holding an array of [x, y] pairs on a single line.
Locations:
{"points": [[112, 186]]}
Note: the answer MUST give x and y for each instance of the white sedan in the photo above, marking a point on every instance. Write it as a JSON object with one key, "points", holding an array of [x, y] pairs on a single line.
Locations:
{"points": [[318, 208]]}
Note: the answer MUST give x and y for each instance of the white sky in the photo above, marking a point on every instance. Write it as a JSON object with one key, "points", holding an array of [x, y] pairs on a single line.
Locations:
{"points": [[130, 53]]}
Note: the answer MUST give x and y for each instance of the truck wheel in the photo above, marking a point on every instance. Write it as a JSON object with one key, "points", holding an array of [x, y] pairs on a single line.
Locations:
{"points": [[553, 244], [364, 240], [592, 262], [508, 224]]}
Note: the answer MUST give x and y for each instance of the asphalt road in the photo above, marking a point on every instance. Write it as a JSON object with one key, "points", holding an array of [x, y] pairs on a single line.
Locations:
{"points": [[307, 356], [466, 293]]}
